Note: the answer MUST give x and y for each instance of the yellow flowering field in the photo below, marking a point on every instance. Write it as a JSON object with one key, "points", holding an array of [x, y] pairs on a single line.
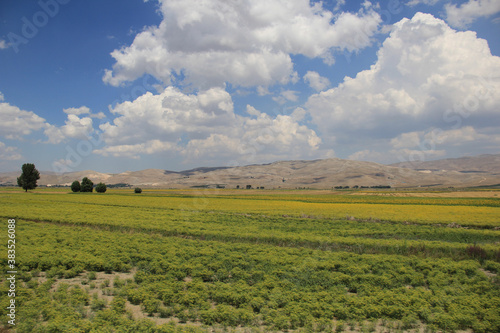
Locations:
{"points": [[202, 261]]}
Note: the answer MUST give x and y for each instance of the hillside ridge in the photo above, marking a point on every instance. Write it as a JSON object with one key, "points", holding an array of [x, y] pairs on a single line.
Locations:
{"points": [[479, 170]]}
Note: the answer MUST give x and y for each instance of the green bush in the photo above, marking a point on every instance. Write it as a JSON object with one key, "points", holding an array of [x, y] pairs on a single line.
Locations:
{"points": [[98, 304], [118, 283], [134, 296], [75, 186], [151, 305], [55, 272], [71, 273], [87, 185], [492, 266], [165, 312], [138, 190], [100, 188], [118, 304]]}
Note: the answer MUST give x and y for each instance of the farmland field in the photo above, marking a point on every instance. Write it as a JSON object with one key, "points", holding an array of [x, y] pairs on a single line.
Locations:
{"points": [[250, 261]]}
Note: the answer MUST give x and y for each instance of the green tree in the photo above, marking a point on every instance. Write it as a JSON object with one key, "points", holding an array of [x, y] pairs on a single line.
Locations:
{"points": [[100, 188], [138, 190], [28, 178], [87, 185], [75, 187]]}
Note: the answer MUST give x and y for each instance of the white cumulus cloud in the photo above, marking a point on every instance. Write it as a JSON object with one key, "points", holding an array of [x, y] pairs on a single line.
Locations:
{"points": [[466, 13], [202, 127], [77, 111], [135, 150], [168, 115], [84, 110], [426, 75], [9, 153], [425, 2], [245, 43], [286, 96], [16, 123], [74, 128], [316, 81]]}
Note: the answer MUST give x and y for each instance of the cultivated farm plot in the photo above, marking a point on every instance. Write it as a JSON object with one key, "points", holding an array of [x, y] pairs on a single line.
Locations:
{"points": [[214, 261]]}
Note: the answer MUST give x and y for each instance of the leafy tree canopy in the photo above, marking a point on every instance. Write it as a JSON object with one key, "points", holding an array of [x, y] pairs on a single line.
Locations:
{"points": [[28, 178], [87, 185], [100, 188], [75, 187]]}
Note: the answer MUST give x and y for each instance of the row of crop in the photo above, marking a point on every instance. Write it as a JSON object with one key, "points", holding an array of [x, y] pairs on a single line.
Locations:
{"points": [[218, 222], [157, 196], [71, 309], [70, 250], [266, 284], [473, 216], [355, 236], [369, 199]]}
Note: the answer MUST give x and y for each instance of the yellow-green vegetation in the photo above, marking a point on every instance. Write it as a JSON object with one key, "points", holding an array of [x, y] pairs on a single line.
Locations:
{"points": [[202, 261]]}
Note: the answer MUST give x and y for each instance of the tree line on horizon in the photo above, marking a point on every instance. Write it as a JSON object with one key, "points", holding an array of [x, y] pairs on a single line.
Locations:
{"points": [[30, 175], [87, 186]]}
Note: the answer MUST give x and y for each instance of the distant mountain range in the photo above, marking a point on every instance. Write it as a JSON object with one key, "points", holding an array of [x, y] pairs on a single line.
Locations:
{"points": [[479, 170], [478, 164]]}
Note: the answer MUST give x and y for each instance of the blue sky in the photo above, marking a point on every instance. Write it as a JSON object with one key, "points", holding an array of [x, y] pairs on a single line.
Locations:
{"points": [[170, 84]]}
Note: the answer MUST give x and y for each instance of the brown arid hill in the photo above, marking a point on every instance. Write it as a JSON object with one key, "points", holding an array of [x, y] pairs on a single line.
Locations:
{"points": [[487, 163], [326, 173]]}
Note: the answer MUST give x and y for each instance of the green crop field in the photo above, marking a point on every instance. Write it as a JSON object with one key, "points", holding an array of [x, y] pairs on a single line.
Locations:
{"points": [[236, 261]]}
